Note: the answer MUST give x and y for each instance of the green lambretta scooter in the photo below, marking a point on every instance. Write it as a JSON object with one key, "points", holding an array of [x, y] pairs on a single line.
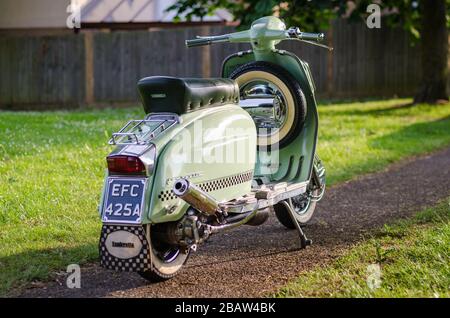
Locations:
{"points": [[213, 154]]}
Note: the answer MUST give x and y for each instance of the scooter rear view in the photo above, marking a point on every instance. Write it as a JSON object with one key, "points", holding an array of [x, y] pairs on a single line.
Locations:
{"points": [[214, 154]]}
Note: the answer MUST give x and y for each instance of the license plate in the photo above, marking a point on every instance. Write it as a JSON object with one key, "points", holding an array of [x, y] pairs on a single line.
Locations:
{"points": [[124, 201]]}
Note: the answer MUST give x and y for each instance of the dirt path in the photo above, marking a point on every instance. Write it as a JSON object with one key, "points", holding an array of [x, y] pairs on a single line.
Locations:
{"points": [[252, 261]]}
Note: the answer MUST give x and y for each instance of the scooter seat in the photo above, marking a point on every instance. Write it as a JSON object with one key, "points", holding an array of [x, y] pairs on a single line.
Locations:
{"points": [[183, 95]]}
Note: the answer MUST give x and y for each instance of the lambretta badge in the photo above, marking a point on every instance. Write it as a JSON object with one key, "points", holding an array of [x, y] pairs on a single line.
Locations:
{"points": [[123, 244]]}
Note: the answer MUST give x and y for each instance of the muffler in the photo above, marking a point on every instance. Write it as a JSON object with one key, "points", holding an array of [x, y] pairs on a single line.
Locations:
{"points": [[203, 202], [196, 197], [260, 217]]}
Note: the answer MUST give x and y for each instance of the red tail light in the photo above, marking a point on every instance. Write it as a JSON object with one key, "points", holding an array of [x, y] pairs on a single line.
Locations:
{"points": [[125, 164]]}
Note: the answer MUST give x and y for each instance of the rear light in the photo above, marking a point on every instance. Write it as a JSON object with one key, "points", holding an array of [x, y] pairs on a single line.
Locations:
{"points": [[125, 164]]}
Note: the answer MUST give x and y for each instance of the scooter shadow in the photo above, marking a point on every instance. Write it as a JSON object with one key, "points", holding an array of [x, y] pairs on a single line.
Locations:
{"points": [[35, 274], [239, 244]]}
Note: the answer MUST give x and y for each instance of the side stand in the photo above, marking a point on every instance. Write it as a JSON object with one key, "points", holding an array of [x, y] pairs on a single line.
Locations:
{"points": [[304, 241]]}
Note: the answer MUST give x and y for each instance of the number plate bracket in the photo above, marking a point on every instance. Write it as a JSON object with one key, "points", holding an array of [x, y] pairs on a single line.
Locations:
{"points": [[124, 200]]}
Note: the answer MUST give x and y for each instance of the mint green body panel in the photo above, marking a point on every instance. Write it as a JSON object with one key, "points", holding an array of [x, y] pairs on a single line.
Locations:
{"points": [[233, 127], [296, 159]]}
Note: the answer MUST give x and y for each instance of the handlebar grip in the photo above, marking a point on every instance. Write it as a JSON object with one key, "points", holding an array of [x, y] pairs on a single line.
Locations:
{"points": [[311, 36], [197, 42]]}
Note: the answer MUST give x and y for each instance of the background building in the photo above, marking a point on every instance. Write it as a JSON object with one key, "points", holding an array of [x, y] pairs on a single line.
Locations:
{"points": [[45, 65], [51, 15]]}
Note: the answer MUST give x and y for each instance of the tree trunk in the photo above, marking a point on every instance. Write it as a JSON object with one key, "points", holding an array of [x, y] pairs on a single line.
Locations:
{"points": [[434, 45]]}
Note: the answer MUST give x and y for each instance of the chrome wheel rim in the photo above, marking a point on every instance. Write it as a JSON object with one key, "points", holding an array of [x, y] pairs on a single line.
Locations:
{"points": [[164, 252], [171, 255], [168, 255], [301, 204], [268, 119]]}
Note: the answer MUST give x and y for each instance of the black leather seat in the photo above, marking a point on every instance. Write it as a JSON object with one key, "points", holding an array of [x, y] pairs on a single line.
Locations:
{"points": [[183, 95]]}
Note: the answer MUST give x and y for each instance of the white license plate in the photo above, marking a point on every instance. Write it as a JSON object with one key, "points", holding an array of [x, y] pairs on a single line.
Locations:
{"points": [[124, 200]]}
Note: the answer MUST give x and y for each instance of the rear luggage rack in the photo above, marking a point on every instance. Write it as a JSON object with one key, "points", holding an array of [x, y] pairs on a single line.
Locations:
{"points": [[141, 132]]}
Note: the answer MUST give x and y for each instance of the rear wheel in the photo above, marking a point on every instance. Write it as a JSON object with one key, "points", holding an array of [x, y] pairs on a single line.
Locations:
{"points": [[167, 261]]}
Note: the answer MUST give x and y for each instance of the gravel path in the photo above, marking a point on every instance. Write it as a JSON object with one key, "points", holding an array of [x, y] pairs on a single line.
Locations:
{"points": [[253, 261]]}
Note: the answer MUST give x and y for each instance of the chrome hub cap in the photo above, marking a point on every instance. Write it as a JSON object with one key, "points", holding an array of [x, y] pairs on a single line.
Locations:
{"points": [[266, 103]]}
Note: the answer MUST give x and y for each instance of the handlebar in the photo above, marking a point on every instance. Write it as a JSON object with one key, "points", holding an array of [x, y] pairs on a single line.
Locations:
{"points": [[207, 40], [295, 33], [318, 37], [197, 42], [249, 36]]}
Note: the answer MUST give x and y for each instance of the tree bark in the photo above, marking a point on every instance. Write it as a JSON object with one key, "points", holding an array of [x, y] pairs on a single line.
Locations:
{"points": [[434, 52]]}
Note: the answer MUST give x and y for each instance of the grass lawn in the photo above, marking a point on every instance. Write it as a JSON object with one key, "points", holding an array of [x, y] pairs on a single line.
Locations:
{"points": [[413, 258], [52, 166]]}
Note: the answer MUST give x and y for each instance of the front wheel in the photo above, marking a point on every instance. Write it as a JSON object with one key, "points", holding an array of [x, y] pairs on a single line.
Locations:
{"points": [[167, 261], [303, 207], [304, 204]]}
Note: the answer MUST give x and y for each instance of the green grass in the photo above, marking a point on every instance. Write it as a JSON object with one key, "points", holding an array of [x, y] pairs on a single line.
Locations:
{"points": [[52, 166], [358, 138], [413, 257], [51, 170]]}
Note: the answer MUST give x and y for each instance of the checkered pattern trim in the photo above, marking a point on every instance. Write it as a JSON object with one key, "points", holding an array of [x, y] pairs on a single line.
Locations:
{"points": [[167, 195], [212, 185], [226, 182], [141, 262]]}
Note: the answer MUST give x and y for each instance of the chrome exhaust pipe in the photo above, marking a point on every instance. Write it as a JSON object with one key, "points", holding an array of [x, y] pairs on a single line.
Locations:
{"points": [[225, 227], [195, 197]]}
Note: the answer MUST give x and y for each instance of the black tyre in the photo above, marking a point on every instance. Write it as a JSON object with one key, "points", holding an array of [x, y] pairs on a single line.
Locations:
{"points": [[305, 204], [304, 209], [272, 82]]}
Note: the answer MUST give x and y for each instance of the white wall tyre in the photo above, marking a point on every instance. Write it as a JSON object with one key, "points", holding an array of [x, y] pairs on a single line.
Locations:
{"points": [[302, 214], [289, 102], [304, 204], [167, 261]]}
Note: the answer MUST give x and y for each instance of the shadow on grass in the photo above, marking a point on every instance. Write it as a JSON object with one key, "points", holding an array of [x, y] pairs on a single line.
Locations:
{"points": [[415, 138], [388, 111], [22, 274], [326, 102], [393, 110]]}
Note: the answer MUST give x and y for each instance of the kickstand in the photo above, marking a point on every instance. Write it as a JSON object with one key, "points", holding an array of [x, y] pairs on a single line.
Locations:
{"points": [[304, 241]]}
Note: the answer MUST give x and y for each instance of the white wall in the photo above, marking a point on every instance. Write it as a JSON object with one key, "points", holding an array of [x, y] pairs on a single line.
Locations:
{"points": [[53, 13], [33, 13]]}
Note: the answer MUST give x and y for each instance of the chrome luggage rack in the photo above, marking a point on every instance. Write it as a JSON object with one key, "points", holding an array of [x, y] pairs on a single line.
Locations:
{"points": [[142, 131]]}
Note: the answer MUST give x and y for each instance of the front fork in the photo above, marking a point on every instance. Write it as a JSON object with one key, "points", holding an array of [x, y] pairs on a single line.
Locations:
{"points": [[318, 177], [317, 183]]}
